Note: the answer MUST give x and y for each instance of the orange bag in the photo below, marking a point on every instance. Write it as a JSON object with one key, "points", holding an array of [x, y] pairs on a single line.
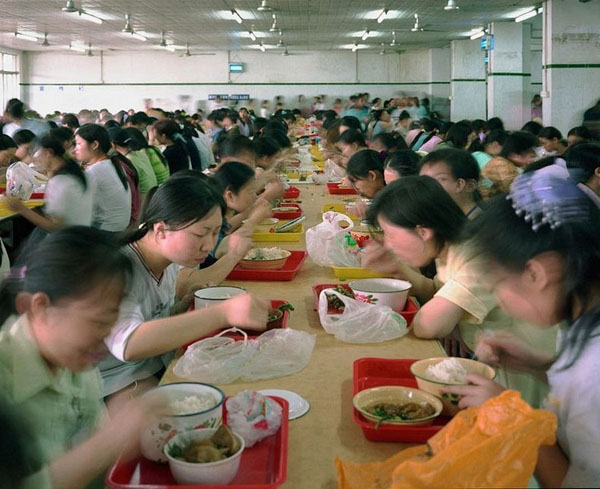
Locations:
{"points": [[495, 445]]}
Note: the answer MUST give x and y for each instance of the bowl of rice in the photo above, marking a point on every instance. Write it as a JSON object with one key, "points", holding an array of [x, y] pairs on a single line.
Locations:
{"points": [[210, 296], [434, 374], [190, 405], [265, 259]]}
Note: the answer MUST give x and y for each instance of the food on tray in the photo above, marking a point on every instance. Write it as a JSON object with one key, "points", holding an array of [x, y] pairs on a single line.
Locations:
{"points": [[263, 254], [223, 444], [394, 411], [192, 404], [285, 209], [449, 371], [334, 301]]}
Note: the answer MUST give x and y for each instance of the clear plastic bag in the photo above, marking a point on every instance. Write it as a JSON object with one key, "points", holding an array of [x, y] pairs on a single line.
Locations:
{"points": [[22, 181], [328, 243], [220, 360], [253, 416], [360, 322]]}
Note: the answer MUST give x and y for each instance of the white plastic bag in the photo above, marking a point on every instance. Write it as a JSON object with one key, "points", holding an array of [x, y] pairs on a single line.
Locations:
{"points": [[219, 360], [360, 322], [22, 181], [327, 243], [253, 416]]}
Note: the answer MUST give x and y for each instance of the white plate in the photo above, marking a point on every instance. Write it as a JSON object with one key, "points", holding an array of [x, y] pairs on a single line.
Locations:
{"points": [[298, 405]]}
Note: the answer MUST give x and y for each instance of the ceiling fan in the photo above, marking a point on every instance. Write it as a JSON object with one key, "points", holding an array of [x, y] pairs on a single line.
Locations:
{"points": [[188, 53], [417, 27]]}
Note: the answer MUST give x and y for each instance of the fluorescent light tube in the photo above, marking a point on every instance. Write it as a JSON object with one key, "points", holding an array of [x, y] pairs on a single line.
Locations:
{"points": [[381, 17], [25, 37], [477, 35], [527, 15], [252, 35], [366, 35]]}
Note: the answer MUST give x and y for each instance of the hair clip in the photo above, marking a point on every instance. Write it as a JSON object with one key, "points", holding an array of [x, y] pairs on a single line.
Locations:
{"points": [[544, 199], [143, 225], [16, 273]]}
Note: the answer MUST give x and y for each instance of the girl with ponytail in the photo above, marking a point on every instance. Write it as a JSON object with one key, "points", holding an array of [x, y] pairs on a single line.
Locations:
{"points": [[178, 228]]}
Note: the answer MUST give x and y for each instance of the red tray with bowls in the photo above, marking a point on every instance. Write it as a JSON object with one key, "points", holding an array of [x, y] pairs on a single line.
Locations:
{"points": [[284, 274], [410, 309], [291, 193], [336, 188], [375, 372], [252, 335], [263, 466], [292, 214]]}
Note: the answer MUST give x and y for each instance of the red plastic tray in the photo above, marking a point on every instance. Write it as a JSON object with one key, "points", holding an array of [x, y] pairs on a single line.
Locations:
{"points": [[291, 193], [286, 273], [410, 309], [251, 336], [334, 188], [34, 195], [289, 215], [373, 372], [264, 466]]}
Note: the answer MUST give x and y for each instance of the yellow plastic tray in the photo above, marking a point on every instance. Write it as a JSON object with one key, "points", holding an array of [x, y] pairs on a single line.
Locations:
{"points": [[344, 273], [6, 212], [338, 208], [267, 236]]}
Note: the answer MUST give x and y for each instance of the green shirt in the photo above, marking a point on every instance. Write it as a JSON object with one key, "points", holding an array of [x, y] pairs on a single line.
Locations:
{"points": [[62, 408], [161, 170], [146, 174]]}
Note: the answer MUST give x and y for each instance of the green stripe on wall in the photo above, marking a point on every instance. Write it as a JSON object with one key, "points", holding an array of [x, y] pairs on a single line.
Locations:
{"points": [[499, 73], [145, 84], [468, 79], [567, 65]]}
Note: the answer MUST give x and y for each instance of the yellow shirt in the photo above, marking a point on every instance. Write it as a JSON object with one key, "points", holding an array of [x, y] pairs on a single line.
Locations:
{"points": [[62, 408], [460, 277]]}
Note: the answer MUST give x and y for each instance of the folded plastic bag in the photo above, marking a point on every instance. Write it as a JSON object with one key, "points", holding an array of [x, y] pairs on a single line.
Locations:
{"points": [[253, 416], [360, 322], [329, 244], [495, 445], [221, 360], [22, 181]]}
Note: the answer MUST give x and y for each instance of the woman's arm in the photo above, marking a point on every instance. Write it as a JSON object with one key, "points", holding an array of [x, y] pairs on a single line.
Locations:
{"points": [[436, 318], [552, 466], [47, 223], [159, 336]]}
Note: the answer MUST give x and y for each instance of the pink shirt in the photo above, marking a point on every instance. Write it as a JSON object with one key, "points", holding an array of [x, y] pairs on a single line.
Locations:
{"points": [[431, 144]]}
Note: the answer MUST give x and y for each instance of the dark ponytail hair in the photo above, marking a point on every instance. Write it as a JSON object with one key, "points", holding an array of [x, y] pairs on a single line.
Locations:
{"points": [[179, 202], [404, 162], [576, 240], [69, 167], [419, 201], [391, 141], [351, 136], [233, 176], [363, 162], [95, 132], [66, 264]]}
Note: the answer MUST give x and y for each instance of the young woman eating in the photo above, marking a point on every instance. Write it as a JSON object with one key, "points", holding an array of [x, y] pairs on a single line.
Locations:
{"points": [[168, 133], [179, 228], [349, 143], [499, 173], [68, 198], [112, 198], [458, 173], [544, 271], [400, 164], [552, 141], [157, 160], [421, 223], [365, 172], [57, 306]]}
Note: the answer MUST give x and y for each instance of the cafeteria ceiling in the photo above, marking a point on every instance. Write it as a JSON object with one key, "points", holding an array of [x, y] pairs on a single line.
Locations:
{"points": [[209, 25]]}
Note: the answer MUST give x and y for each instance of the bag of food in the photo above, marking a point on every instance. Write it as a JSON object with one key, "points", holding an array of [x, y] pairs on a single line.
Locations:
{"points": [[22, 181], [495, 445], [221, 360], [253, 416], [360, 322], [329, 244]]}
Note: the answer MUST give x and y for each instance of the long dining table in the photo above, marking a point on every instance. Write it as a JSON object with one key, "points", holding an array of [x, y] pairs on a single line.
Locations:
{"points": [[327, 430]]}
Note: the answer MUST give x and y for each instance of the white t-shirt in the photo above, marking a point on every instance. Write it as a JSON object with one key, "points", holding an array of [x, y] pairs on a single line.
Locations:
{"points": [[68, 200], [111, 200], [146, 298], [575, 399]]}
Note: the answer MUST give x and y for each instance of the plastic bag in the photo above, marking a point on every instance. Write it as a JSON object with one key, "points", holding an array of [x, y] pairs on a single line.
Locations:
{"points": [[220, 360], [22, 181], [331, 173], [328, 244], [495, 445], [360, 322], [253, 416]]}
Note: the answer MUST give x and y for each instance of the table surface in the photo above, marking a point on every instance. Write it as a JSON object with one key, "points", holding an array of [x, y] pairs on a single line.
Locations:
{"points": [[327, 430]]}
